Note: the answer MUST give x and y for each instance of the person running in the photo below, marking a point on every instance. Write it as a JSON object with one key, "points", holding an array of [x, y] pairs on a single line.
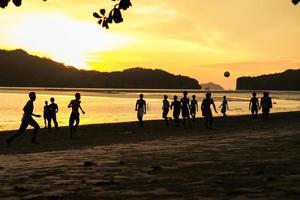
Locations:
{"points": [[254, 105], [27, 120], [266, 105], [165, 108], [140, 107], [53, 109], [75, 115], [206, 110], [194, 107], [185, 107], [224, 106], [46, 113], [176, 107]]}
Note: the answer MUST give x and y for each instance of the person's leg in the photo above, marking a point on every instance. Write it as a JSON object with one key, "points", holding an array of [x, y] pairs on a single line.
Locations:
{"points": [[21, 130], [49, 123], [71, 124], [76, 125], [210, 122], [55, 122], [36, 127], [206, 121], [45, 121]]}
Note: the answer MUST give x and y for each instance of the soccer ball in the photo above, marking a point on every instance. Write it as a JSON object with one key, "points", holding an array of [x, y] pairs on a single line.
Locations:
{"points": [[226, 74]]}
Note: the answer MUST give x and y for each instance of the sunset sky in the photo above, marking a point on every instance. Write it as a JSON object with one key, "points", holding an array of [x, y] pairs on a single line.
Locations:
{"points": [[198, 38]]}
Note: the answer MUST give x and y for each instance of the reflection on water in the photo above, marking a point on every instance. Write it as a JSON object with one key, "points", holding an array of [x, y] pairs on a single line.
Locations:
{"points": [[106, 106]]}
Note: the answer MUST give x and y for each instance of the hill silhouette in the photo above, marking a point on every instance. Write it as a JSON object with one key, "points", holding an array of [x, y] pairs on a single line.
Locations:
{"points": [[19, 69], [287, 80]]}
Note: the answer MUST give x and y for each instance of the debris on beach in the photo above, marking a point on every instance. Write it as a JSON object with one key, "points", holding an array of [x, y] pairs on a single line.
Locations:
{"points": [[89, 163], [20, 189]]}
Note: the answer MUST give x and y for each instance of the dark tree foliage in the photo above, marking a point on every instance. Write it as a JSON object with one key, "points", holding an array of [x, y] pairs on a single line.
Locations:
{"points": [[115, 15]]}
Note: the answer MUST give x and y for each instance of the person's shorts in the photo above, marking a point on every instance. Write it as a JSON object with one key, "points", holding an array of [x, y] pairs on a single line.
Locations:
{"points": [[193, 110], [140, 112], [176, 114], [185, 112], [207, 113], [165, 113], [74, 117], [26, 122], [254, 109]]}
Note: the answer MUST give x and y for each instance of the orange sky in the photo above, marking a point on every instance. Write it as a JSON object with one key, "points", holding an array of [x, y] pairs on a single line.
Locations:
{"points": [[199, 38]]}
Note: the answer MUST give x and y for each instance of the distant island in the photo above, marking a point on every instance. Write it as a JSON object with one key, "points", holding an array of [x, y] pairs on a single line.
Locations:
{"points": [[287, 80], [20, 69], [211, 86]]}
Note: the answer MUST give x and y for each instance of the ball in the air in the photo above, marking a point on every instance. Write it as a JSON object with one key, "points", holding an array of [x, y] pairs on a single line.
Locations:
{"points": [[226, 74]]}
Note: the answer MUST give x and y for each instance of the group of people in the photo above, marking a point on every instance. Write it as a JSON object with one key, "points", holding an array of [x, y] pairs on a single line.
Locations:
{"points": [[49, 115], [188, 109], [184, 106]]}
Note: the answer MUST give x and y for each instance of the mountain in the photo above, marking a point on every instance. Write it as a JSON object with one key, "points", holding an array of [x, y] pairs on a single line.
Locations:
{"points": [[211, 86], [19, 69], [287, 80]]}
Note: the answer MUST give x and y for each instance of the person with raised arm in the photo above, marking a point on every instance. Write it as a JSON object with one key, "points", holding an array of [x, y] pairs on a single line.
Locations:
{"points": [[75, 115]]}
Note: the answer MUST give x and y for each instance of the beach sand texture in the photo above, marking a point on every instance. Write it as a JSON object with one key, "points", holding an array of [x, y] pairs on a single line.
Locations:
{"points": [[238, 159]]}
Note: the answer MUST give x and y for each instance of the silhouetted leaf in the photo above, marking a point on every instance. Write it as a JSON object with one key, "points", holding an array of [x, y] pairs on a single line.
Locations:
{"points": [[17, 2], [124, 4], [100, 21], [96, 15], [102, 11], [295, 1], [117, 16], [3, 3], [105, 24]]}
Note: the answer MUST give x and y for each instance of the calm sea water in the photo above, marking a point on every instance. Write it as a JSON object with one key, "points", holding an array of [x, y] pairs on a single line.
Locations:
{"points": [[107, 106]]}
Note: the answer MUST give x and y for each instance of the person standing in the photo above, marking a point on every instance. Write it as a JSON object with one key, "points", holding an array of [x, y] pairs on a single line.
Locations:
{"points": [[165, 108], [176, 107], [140, 108], [254, 105], [224, 106], [194, 107], [266, 105], [206, 110], [46, 114], [53, 109], [185, 107], [27, 119], [75, 115]]}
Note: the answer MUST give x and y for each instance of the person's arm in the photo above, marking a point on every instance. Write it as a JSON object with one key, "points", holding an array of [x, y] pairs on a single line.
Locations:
{"points": [[145, 108], [56, 108], [35, 115], [81, 109], [213, 103], [250, 104], [197, 106], [271, 104], [227, 105], [171, 107], [70, 104], [136, 106], [260, 106], [221, 105]]}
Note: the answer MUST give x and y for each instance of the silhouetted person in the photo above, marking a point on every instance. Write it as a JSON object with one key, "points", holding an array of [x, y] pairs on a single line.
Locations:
{"points": [[194, 107], [185, 109], [206, 110], [266, 105], [254, 105], [53, 109], [224, 106], [176, 106], [75, 116], [27, 120], [165, 108], [46, 114], [140, 107]]}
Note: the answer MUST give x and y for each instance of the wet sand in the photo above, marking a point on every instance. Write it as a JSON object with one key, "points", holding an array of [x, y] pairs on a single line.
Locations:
{"points": [[238, 159]]}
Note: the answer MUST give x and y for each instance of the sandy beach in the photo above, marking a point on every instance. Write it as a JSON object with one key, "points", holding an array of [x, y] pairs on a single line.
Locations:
{"points": [[238, 159]]}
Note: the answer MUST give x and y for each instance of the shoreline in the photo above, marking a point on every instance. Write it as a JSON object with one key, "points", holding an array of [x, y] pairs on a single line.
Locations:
{"points": [[129, 132]]}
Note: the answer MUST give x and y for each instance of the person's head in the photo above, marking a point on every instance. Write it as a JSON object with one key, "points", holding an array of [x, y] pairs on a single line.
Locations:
{"points": [[224, 97], [77, 96], [254, 94], [141, 96], [185, 93], [165, 97], [175, 97], [208, 95], [266, 94], [194, 96], [52, 100], [46, 103], [32, 96]]}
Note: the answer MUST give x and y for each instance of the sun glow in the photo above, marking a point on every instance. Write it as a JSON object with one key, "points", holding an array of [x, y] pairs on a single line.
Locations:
{"points": [[65, 39]]}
